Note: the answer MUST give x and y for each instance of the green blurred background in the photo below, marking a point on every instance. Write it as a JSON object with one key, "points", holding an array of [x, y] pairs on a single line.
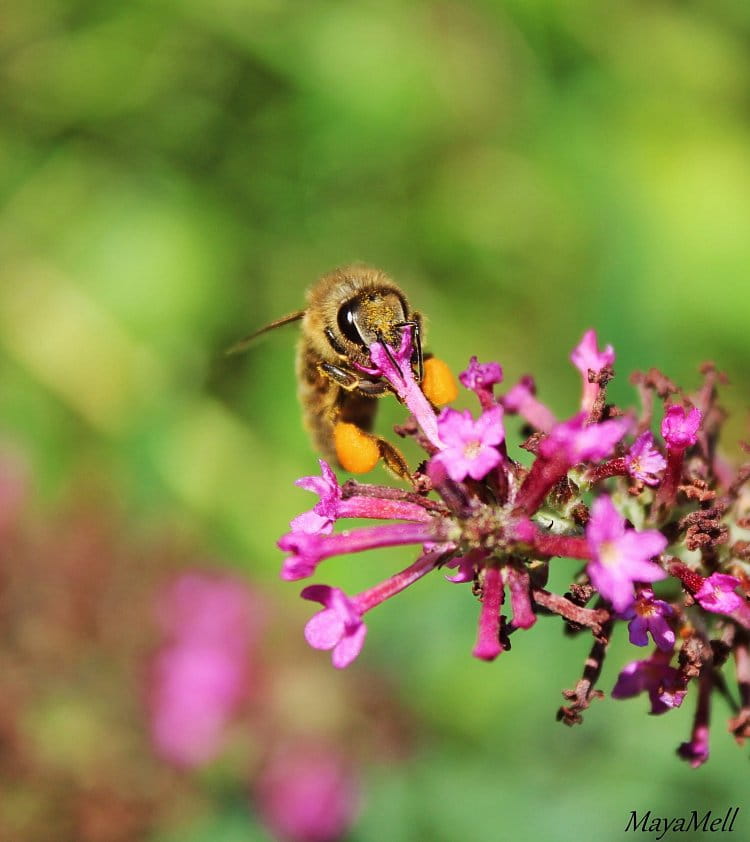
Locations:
{"points": [[174, 173]]}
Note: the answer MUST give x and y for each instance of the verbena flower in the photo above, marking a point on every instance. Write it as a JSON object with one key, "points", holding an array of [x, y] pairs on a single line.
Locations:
{"points": [[649, 616], [620, 556], [480, 378], [718, 593], [596, 496], [590, 361], [643, 461], [680, 427], [469, 446], [334, 505], [664, 684]]}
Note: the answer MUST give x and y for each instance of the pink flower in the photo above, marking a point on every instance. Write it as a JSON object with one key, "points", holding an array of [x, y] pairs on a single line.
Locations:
{"points": [[586, 357], [580, 442], [338, 627], [679, 428], [323, 515], [201, 675], [643, 461], [469, 446], [332, 505], [522, 400], [481, 376], [717, 594], [307, 794], [620, 557], [649, 617], [664, 684], [696, 751]]}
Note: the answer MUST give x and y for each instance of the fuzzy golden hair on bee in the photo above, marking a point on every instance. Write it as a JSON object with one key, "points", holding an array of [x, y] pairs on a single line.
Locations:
{"points": [[348, 310]]}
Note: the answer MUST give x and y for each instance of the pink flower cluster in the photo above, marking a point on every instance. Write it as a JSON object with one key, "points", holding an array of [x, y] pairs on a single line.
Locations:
{"points": [[634, 512]]}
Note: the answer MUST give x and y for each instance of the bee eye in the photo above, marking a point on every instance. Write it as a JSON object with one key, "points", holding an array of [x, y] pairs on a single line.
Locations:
{"points": [[347, 324]]}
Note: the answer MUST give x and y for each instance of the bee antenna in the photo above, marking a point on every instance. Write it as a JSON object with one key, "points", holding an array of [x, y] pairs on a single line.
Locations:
{"points": [[244, 343]]}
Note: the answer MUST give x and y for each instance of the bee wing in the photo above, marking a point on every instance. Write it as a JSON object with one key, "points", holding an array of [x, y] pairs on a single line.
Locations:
{"points": [[244, 344]]}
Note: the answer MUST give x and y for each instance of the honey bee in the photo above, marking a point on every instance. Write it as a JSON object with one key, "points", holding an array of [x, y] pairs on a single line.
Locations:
{"points": [[347, 310]]}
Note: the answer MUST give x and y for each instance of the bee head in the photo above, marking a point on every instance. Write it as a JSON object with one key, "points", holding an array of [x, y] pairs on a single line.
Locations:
{"points": [[370, 317]]}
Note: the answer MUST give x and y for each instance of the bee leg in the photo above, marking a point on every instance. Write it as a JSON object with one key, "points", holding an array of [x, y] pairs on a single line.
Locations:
{"points": [[346, 379], [350, 381], [394, 460]]}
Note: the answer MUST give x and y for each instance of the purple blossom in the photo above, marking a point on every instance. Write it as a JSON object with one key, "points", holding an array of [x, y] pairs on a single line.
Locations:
{"points": [[587, 357], [478, 510], [338, 627], [323, 515], [332, 505], [643, 461], [481, 376], [649, 617], [679, 428], [469, 445], [697, 749], [620, 556], [664, 684], [522, 400], [717, 594], [580, 442]]}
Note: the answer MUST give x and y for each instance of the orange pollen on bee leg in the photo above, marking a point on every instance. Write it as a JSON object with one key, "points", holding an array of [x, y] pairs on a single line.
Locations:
{"points": [[357, 451], [438, 384]]}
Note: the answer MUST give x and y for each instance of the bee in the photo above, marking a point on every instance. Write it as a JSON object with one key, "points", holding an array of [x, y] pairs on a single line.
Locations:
{"points": [[347, 310]]}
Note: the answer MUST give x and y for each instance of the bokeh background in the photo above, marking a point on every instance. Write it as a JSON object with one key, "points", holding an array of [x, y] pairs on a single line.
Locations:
{"points": [[174, 174]]}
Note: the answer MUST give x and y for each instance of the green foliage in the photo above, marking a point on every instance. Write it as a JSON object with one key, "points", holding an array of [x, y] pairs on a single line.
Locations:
{"points": [[174, 174]]}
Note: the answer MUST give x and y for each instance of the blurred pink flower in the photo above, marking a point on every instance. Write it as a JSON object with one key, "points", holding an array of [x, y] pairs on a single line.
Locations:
{"points": [[202, 673], [307, 794]]}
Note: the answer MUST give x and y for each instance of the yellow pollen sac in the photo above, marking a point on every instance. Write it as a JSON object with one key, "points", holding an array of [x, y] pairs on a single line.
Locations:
{"points": [[357, 451], [438, 384]]}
